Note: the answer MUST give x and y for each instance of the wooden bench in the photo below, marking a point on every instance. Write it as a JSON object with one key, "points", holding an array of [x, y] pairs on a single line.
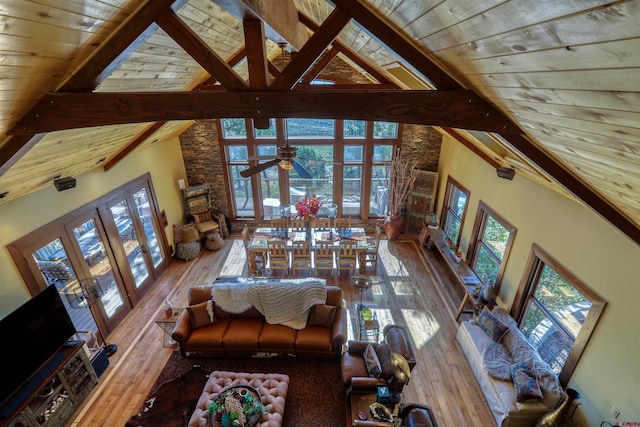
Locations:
{"points": [[465, 276]]}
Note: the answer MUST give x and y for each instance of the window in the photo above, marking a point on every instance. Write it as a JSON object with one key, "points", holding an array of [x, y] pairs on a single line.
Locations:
{"points": [[385, 130], [318, 161], [352, 180], [241, 189], [490, 246], [354, 128], [379, 197], [456, 200], [556, 312], [234, 128], [309, 128]]}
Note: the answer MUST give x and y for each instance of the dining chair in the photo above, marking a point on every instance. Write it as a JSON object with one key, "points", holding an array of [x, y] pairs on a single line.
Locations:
{"points": [[347, 256], [278, 256], [323, 255], [256, 261], [297, 225], [301, 256], [322, 223], [279, 223], [341, 223], [373, 243]]}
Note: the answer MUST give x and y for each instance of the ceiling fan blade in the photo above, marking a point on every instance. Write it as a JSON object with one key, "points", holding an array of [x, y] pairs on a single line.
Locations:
{"points": [[301, 170], [262, 157], [259, 168]]}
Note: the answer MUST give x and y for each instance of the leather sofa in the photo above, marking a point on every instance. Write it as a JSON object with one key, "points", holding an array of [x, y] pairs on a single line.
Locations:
{"points": [[248, 334]]}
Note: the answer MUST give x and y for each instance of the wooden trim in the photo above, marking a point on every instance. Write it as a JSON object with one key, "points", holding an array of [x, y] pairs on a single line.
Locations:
{"points": [[130, 147], [447, 203], [471, 146]]}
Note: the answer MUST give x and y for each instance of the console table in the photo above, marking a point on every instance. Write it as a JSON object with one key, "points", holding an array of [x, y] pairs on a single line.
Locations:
{"points": [[465, 277]]}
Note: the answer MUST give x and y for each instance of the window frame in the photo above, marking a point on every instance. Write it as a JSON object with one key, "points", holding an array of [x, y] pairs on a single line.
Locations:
{"points": [[476, 243], [538, 259], [447, 210]]}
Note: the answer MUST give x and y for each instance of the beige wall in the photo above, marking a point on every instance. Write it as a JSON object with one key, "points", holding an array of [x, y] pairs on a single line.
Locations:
{"points": [[608, 372], [21, 216]]}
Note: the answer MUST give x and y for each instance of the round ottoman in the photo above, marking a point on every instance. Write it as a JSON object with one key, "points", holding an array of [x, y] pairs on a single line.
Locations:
{"points": [[214, 241]]}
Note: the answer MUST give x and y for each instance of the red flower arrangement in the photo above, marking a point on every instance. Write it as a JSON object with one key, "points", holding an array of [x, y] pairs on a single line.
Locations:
{"points": [[308, 207]]}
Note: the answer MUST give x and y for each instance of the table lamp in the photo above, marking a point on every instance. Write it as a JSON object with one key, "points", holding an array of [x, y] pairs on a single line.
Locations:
{"points": [[332, 212], [401, 371]]}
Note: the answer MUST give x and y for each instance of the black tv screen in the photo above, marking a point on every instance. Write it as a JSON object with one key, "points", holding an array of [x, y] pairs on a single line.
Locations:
{"points": [[32, 334]]}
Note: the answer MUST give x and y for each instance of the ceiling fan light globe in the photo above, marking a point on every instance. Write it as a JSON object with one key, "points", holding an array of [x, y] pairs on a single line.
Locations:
{"points": [[286, 165]]}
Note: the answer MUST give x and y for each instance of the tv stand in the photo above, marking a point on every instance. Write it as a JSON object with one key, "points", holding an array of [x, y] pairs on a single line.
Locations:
{"points": [[55, 391]]}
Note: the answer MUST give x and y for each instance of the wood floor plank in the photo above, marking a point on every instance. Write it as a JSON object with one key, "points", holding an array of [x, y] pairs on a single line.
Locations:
{"points": [[414, 290]]}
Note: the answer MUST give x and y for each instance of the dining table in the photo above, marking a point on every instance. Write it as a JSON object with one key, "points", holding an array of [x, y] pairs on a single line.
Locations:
{"points": [[260, 237]]}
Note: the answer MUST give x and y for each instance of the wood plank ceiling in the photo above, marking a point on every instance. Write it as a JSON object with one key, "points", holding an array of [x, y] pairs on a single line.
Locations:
{"points": [[548, 88]]}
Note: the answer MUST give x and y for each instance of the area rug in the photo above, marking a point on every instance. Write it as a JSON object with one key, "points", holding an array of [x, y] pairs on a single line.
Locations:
{"points": [[316, 396]]}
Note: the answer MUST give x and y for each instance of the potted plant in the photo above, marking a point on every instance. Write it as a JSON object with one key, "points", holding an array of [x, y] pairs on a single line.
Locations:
{"points": [[401, 176]]}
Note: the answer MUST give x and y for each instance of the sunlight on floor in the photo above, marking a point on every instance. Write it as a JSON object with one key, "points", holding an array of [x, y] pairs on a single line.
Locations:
{"points": [[422, 326], [392, 265], [231, 265]]}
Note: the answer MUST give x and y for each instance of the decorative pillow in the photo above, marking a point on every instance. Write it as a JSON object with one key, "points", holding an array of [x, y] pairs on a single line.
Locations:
{"points": [[322, 315], [525, 382], [190, 234], [372, 362], [222, 222], [201, 314], [491, 325], [206, 226]]}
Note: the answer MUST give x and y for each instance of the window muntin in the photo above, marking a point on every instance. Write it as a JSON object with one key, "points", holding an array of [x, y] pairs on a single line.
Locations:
{"points": [[492, 238], [456, 200], [233, 128], [310, 128], [556, 312]]}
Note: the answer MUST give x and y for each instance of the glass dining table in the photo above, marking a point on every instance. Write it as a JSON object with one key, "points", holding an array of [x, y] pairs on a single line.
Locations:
{"points": [[258, 240]]}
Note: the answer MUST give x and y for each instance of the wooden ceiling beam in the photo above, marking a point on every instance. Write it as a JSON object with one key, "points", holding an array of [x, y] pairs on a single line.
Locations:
{"points": [[200, 51], [348, 52], [256, 62], [280, 18], [319, 65], [381, 30], [459, 109], [318, 42]]}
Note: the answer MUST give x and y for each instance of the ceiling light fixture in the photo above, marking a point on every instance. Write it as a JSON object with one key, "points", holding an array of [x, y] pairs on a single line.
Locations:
{"points": [[286, 165]]}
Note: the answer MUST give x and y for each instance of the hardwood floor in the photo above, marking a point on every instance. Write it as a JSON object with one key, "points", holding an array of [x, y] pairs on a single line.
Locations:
{"points": [[414, 289]]}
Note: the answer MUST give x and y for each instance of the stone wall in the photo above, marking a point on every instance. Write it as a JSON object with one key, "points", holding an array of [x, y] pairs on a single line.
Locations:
{"points": [[203, 157]]}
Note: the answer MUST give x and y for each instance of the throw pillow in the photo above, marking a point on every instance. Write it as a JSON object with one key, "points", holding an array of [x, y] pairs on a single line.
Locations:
{"points": [[322, 315], [491, 325], [190, 234], [525, 382], [372, 362], [201, 314]]}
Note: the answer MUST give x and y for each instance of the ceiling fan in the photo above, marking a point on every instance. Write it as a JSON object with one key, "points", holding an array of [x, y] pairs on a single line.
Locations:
{"points": [[284, 159]]}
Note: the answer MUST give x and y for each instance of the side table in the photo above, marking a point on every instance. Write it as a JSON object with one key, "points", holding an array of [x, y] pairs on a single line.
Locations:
{"points": [[167, 324], [360, 402]]}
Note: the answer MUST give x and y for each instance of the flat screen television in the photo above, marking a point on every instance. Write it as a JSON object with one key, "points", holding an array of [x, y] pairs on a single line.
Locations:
{"points": [[31, 335]]}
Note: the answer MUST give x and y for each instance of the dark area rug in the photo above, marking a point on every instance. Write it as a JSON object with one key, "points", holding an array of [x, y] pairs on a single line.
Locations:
{"points": [[316, 396]]}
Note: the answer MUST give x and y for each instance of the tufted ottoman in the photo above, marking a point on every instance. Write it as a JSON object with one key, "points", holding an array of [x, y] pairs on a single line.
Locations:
{"points": [[272, 388]]}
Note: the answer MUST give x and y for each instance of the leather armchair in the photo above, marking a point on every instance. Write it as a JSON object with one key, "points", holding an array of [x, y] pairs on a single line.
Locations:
{"points": [[410, 415], [354, 370]]}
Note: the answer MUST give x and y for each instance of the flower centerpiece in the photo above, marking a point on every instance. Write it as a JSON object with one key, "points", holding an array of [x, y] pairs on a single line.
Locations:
{"points": [[308, 207], [238, 406]]}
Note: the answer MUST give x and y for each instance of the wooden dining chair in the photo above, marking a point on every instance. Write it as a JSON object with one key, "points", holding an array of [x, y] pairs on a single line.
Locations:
{"points": [[323, 255], [341, 223], [322, 223], [373, 244], [256, 260], [278, 256], [279, 223], [301, 256], [347, 256], [297, 224]]}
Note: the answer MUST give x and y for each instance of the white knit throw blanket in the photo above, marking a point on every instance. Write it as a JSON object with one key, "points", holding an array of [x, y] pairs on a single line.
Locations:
{"points": [[280, 302]]}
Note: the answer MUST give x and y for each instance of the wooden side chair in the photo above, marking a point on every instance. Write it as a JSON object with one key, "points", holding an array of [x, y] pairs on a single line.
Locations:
{"points": [[297, 225], [301, 256], [256, 261], [278, 256], [373, 243], [347, 256], [322, 223], [279, 223], [323, 255], [341, 223]]}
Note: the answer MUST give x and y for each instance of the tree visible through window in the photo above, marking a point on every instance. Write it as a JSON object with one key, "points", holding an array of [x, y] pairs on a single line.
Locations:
{"points": [[556, 312]]}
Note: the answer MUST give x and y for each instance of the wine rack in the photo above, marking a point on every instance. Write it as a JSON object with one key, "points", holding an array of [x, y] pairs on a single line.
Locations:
{"points": [[60, 393]]}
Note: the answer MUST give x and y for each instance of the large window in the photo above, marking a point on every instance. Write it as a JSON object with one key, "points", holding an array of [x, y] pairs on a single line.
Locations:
{"points": [[455, 207], [347, 160], [556, 312], [490, 246]]}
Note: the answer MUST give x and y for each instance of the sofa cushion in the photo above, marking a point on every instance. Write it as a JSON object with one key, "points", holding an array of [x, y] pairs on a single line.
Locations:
{"points": [[525, 381], [322, 315], [371, 361], [314, 338], [243, 333], [201, 314], [491, 325], [208, 337], [274, 337]]}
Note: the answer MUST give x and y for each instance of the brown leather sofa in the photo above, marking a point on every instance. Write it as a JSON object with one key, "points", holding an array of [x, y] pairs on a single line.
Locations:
{"points": [[248, 334]]}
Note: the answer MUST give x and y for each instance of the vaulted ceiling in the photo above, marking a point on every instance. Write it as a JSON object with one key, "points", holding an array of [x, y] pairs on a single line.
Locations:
{"points": [[548, 88]]}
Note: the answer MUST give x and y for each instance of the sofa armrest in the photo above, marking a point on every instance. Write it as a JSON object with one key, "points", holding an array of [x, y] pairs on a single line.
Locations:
{"points": [[367, 384], [182, 331], [368, 423], [339, 332], [358, 347], [426, 416]]}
